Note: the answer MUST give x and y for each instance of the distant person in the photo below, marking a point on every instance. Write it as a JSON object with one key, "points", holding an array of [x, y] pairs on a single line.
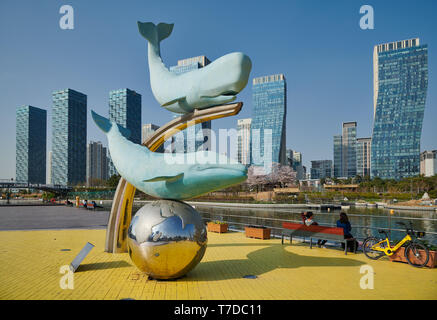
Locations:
{"points": [[309, 221], [344, 223], [85, 203]]}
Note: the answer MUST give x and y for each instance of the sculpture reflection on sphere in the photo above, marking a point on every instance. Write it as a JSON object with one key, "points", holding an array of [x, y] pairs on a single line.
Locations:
{"points": [[166, 239]]}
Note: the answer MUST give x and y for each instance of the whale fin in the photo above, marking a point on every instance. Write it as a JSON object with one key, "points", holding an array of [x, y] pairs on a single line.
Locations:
{"points": [[155, 33], [105, 125], [166, 178]]}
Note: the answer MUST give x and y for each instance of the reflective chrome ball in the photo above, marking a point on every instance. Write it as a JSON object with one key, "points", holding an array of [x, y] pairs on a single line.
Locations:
{"points": [[166, 239]]}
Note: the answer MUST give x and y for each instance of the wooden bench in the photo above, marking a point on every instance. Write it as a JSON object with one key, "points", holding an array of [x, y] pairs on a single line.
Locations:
{"points": [[317, 232]]}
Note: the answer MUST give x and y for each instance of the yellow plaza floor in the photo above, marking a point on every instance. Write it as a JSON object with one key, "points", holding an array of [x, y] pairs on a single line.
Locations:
{"points": [[30, 263]]}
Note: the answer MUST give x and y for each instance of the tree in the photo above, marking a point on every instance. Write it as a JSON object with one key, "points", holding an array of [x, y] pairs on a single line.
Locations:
{"points": [[113, 181]]}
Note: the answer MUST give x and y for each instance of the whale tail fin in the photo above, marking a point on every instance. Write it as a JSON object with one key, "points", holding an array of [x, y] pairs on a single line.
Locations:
{"points": [[105, 125], [153, 33]]}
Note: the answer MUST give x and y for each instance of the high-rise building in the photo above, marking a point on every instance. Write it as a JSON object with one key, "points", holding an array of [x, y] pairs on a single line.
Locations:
{"points": [[363, 156], [244, 140], [69, 132], [269, 113], [96, 163], [125, 110], [49, 168], [193, 137], [428, 163], [294, 160], [345, 153], [337, 167], [321, 169], [147, 130], [31, 141], [400, 86]]}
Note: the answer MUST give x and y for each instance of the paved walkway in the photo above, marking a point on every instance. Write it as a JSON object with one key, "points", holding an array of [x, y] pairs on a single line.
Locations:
{"points": [[31, 261], [51, 217]]}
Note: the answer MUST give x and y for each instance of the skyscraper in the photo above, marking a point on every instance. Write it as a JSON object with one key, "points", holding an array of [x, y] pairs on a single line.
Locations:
{"points": [[244, 140], [96, 163], [125, 109], [321, 169], [363, 156], [147, 130], [337, 167], [193, 137], [428, 163], [69, 132], [49, 168], [294, 160], [400, 86], [345, 152], [31, 141], [269, 113]]}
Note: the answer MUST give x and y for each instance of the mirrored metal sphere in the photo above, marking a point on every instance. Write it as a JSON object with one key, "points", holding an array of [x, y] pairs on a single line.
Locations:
{"points": [[166, 239]]}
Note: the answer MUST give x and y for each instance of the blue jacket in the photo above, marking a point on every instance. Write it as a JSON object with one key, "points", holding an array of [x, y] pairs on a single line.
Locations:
{"points": [[346, 227]]}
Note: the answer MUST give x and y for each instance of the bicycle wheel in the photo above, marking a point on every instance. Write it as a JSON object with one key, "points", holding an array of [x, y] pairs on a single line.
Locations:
{"points": [[367, 248], [417, 254]]}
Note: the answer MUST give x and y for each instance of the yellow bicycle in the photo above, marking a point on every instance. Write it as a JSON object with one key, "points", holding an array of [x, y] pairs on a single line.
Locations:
{"points": [[416, 253]]}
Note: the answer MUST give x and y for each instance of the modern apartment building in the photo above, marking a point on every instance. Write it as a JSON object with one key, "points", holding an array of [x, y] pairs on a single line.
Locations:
{"points": [[428, 163], [96, 163], [125, 109], [31, 141], [345, 157], [69, 136], [400, 86], [269, 115], [363, 156], [244, 127]]}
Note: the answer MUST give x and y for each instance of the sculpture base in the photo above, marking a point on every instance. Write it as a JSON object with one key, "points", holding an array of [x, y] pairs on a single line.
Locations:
{"points": [[166, 239]]}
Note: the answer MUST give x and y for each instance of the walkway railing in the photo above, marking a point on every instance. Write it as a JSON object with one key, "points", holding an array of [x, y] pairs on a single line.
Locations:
{"points": [[276, 230]]}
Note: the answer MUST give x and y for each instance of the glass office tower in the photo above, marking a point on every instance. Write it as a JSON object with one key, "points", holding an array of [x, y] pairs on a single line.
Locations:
{"points": [[363, 156], [321, 169], [69, 131], [400, 87], [125, 109], [345, 157], [147, 130], [269, 112], [337, 168], [243, 151], [192, 138], [31, 141]]}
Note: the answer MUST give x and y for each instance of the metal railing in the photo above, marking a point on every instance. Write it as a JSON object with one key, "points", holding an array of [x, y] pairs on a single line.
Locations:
{"points": [[300, 221]]}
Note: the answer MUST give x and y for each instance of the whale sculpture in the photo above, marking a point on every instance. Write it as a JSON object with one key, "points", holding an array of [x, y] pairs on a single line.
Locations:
{"points": [[151, 173], [217, 83]]}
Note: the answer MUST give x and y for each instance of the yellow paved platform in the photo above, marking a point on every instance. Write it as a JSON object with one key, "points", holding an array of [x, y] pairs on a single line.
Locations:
{"points": [[30, 263]]}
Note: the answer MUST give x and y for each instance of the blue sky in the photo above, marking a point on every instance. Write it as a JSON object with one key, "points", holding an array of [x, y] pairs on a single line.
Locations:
{"points": [[318, 46]]}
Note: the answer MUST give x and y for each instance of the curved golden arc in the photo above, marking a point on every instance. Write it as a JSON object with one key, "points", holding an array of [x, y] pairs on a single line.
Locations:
{"points": [[121, 210]]}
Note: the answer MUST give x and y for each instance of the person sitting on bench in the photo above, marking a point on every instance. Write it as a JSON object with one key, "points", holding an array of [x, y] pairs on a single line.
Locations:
{"points": [[308, 221], [344, 223]]}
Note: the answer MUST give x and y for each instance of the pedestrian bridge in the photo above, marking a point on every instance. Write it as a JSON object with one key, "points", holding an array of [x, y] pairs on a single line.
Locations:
{"points": [[55, 188]]}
